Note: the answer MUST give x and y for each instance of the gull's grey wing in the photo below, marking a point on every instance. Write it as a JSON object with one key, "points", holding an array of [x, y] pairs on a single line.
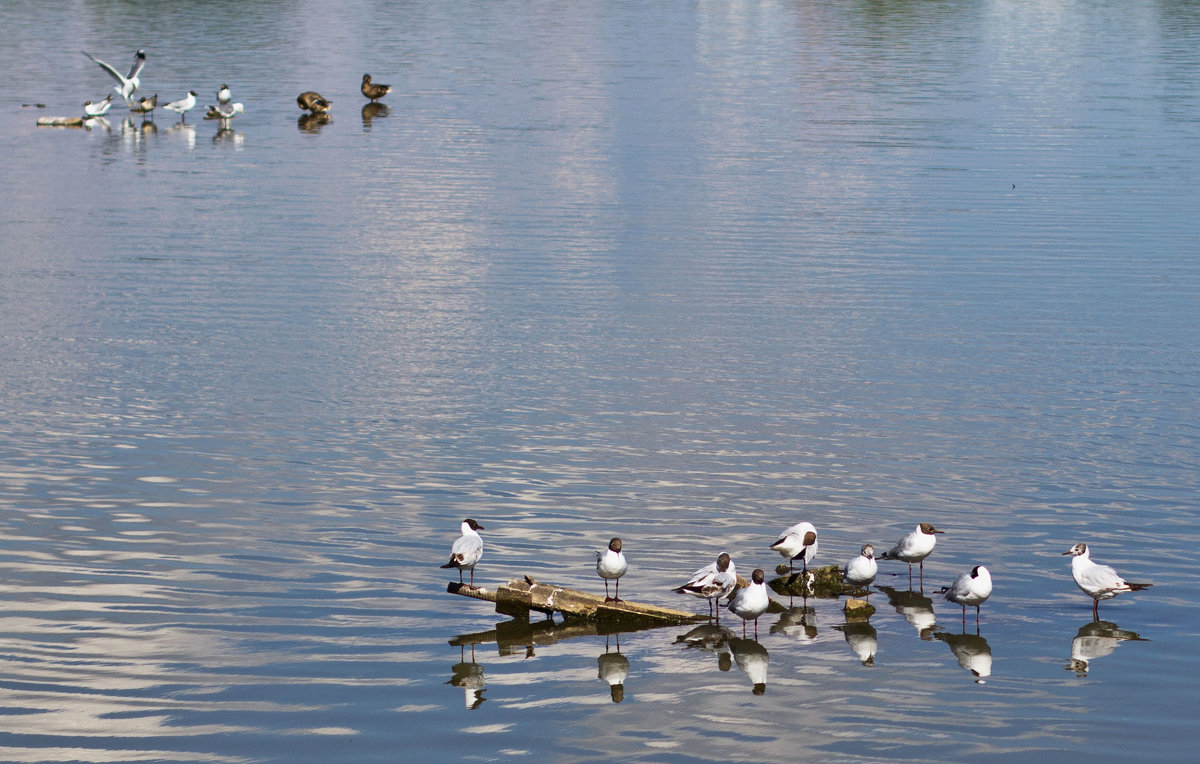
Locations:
{"points": [[139, 60], [115, 74]]}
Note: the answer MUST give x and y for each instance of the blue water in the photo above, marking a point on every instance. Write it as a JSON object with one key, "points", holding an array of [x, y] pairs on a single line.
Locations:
{"points": [[686, 274]]}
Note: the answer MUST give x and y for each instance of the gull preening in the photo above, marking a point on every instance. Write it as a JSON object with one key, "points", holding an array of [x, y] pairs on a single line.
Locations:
{"points": [[611, 565], [750, 602], [128, 84], [714, 581], [467, 550], [183, 105], [914, 547], [798, 543], [97, 109], [861, 570], [971, 588], [372, 90], [1100, 582]]}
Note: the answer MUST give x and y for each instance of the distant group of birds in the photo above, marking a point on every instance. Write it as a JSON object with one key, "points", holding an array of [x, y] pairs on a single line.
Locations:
{"points": [[719, 580], [224, 109]]}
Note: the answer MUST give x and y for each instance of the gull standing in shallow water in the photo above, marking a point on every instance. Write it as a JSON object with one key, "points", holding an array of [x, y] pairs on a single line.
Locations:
{"points": [[714, 581], [914, 547], [798, 543], [183, 105], [750, 602], [97, 109], [861, 570], [126, 86], [467, 550], [1100, 582], [611, 564], [971, 588]]}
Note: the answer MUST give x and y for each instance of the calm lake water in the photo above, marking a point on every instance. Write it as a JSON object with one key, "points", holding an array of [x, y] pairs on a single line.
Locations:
{"points": [[682, 272]]}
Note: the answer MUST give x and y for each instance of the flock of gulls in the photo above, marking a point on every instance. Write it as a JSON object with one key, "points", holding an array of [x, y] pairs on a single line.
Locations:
{"points": [[225, 109], [719, 580]]}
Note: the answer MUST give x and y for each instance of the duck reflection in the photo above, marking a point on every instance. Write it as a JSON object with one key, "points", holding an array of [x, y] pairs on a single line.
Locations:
{"points": [[469, 676], [862, 638], [372, 111], [972, 652], [916, 608], [1097, 639], [799, 622], [751, 658], [614, 669], [312, 123]]}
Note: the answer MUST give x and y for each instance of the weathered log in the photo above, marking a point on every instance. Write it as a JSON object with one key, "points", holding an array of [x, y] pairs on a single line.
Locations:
{"points": [[519, 596], [60, 121]]}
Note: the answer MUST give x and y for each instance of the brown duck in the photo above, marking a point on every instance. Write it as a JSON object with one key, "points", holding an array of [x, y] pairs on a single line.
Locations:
{"points": [[373, 91], [312, 100]]}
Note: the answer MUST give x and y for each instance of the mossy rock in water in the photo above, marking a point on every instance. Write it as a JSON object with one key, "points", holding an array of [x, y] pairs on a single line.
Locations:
{"points": [[858, 610], [818, 582]]}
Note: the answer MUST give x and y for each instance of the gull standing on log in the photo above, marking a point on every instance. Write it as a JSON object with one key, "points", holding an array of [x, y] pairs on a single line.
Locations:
{"points": [[611, 564], [467, 550]]}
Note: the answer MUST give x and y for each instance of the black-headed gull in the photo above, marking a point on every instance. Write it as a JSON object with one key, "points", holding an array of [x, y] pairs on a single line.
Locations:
{"points": [[611, 565], [1100, 582], [126, 85], [914, 547], [223, 94], [861, 570], [749, 602], [971, 588], [183, 105], [713, 581], [97, 109], [373, 91], [798, 543], [467, 550]]}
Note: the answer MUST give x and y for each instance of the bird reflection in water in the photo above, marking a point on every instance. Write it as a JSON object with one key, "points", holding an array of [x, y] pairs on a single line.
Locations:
{"points": [[614, 669], [469, 676], [710, 638], [372, 111], [227, 135], [916, 608], [799, 622], [862, 638], [751, 658], [312, 123], [972, 652], [1097, 639], [185, 131]]}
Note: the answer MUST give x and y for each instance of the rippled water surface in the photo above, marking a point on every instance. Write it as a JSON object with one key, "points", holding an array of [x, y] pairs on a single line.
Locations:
{"points": [[686, 273]]}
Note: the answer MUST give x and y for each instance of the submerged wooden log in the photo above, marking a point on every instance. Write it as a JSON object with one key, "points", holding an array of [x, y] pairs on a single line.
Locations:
{"points": [[60, 121], [519, 596]]}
